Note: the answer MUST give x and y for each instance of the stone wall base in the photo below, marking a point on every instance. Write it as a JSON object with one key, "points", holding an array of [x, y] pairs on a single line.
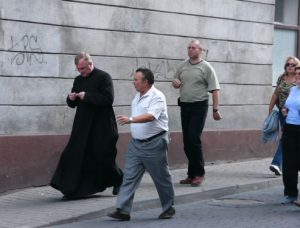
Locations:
{"points": [[28, 161]]}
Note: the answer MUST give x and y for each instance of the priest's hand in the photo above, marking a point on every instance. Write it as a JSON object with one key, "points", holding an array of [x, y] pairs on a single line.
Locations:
{"points": [[72, 96], [81, 95]]}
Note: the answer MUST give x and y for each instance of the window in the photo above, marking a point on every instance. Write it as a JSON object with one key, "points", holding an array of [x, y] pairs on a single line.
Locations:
{"points": [[286, 35], [286, 11]]}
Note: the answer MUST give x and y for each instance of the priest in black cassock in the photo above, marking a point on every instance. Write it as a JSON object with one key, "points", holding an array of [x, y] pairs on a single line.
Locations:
{"points": [[87, 164]]}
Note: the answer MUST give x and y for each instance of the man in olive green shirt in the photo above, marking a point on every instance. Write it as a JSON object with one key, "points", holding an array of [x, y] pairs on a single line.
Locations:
{"points": [[195, 78]]}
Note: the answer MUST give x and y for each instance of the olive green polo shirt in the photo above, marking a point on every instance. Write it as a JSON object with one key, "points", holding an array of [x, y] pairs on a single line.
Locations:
{"points": [[197, 81]]}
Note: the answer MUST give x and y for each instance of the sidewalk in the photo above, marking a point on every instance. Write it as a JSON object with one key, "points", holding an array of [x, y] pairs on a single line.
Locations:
{"points": [[42, 206]]}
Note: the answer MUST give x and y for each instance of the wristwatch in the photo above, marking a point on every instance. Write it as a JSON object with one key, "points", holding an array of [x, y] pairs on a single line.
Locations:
{"points": [[215, 110], [130, 119]]}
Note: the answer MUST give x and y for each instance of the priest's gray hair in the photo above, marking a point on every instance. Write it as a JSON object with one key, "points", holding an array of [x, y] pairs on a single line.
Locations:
{"points": [[83, 55]]}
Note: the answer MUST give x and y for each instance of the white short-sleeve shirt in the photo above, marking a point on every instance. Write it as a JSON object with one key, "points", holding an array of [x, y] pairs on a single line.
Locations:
{"points": [[154, 103]]}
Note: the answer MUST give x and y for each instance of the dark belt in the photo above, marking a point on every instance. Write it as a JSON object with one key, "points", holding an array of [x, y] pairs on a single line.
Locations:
{"points": [[150, 138]]}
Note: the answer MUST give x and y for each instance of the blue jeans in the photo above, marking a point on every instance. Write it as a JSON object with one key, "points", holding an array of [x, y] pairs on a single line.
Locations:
{"points": [[277, 159]]}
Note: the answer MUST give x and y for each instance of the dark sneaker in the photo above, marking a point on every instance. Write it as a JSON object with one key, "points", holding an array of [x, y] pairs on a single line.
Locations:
{"points": [[275, 169], [120, 215], [167, 214], [187, 180], [198, 180]]}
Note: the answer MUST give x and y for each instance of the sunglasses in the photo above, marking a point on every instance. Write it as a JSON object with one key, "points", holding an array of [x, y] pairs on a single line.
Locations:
{"points": [[290, 65]]}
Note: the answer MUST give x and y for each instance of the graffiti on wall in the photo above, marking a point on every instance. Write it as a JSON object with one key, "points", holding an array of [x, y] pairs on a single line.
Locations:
{"points": [[162, 69], [27, 50]]}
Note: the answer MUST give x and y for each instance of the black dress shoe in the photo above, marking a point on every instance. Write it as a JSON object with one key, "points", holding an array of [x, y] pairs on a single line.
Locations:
{"points": [[116, 190], [167, 214], [67, 198], [120, 215]]}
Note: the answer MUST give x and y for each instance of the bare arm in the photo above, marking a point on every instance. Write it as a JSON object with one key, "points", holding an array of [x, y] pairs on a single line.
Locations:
{"points": [[215, 99], [272, 102]]}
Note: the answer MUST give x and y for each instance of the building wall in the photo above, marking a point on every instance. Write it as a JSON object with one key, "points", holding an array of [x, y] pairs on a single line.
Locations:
{"points": [[38, 42]]}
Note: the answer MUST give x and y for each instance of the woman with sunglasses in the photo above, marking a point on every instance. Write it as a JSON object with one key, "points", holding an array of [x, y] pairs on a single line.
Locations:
{"points": [[291, 142], [284, 83]]}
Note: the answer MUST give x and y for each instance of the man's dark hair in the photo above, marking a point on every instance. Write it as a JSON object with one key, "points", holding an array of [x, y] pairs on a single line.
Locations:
{"points": [[147, 75]]}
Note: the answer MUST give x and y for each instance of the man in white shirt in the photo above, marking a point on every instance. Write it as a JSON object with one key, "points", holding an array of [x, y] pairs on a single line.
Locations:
{"points": [[148, 147]]}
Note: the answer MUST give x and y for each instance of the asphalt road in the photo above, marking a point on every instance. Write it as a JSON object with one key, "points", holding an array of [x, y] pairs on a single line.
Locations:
{"points": [[260, 208]]}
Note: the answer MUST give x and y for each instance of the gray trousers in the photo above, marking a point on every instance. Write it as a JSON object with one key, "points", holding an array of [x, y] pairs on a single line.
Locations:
{"points": [[151, 157]]}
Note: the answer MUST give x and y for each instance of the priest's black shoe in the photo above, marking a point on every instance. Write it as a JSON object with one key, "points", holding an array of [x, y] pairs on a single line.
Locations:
{"points": [[68, 198], [120, 215], [167, 214]]}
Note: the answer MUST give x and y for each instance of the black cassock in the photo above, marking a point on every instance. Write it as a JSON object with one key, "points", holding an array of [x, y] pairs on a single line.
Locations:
{"points": [[87, 164]]}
